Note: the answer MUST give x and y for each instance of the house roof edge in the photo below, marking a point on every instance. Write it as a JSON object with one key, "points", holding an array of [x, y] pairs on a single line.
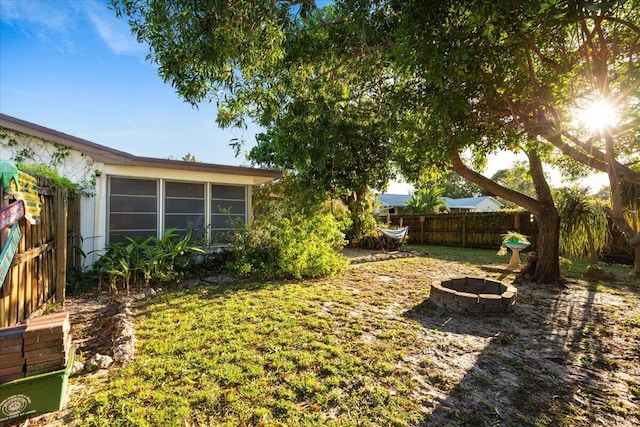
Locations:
{"points": [[112, 156]]}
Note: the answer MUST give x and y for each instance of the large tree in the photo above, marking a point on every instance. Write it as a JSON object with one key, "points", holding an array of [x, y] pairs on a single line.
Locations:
{"points": [[456, 76], [514, 75], [332, 144]]}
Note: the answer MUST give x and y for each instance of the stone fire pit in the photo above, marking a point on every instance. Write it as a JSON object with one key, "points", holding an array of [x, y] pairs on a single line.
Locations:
{"points": [[473, 295]]}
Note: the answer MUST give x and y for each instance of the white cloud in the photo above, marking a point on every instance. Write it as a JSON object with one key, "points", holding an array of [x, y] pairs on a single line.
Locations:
{"points": [[48, 21], [44, 14], [114, 32]]}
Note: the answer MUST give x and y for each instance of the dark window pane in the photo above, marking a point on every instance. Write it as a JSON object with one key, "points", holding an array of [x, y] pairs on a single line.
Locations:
{"points": [[224, 221], [184, 222], [133, 222], [184, 189], [133, 204], [139, 235], [184, 206], [223, 207], [227, 192], [140, 187]]}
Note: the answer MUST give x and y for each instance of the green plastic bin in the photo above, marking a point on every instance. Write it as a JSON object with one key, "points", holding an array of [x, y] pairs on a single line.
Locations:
{"points": [[37, 394]]}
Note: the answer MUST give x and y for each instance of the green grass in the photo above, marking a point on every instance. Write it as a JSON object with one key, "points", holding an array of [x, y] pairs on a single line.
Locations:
{"points": [[331, 352], [258, 355], [473, 256]]}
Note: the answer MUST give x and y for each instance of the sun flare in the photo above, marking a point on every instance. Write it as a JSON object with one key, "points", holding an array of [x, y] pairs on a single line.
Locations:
{"points": [[598, 115]]}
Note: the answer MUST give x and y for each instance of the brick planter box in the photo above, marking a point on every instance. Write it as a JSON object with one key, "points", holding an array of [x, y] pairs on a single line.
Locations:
{"points": [[473, 295]]}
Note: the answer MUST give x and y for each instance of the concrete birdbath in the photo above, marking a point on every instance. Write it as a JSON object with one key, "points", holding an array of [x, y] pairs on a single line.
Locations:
{"points": [[516, 242]]}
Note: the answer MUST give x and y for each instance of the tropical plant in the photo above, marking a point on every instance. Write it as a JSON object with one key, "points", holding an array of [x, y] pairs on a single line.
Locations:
{"points": [[132, 262], [583, 224], [427, 200]]}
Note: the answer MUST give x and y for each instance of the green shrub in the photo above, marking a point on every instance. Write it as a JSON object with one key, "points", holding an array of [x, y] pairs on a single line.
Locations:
{"points": [[140, 262], [290, 247]]}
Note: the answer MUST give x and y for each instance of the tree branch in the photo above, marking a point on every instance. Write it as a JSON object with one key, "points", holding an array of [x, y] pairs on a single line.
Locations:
{"points": [[532, 205]]}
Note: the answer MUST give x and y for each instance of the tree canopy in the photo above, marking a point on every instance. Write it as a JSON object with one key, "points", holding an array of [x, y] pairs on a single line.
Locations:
{"points": [[428, 80]]}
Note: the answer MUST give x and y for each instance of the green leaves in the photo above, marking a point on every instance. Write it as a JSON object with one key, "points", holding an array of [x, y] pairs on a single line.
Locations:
{"points": [[134, 262], [295, 246]]}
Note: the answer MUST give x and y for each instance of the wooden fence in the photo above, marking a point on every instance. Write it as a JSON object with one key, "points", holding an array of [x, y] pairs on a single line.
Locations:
{"points": [[37, 274], [483, 230], [467, 230]]}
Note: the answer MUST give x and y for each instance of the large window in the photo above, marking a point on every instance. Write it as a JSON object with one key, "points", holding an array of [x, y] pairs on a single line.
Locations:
{"points": [[140, 208], [184, 207], [133, 208], [228, 205]]}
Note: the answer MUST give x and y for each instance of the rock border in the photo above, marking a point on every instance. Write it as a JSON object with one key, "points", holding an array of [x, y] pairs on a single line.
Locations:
{"points": [[473, 295]]}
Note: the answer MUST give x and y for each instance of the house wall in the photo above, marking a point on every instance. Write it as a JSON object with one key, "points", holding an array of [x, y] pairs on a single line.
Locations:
{"points": [[488, 205], [92, 176], [28, 149], [100, 231], [71, 164]]}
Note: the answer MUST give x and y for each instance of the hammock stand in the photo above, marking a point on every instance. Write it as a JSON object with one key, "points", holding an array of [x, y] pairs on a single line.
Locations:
{"points": [[391, 236]]}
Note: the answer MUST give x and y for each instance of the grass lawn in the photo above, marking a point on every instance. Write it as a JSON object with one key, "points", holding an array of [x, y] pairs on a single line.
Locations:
{"points": [[366, 349]]}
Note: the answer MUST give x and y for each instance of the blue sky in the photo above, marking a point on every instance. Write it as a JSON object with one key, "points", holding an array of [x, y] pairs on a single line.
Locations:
{"points": [[72, 66]]}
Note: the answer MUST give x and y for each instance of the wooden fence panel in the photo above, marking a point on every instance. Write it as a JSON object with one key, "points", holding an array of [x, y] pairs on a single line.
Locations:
{"points": [[36, 276], [473, 230], [483, 230]]}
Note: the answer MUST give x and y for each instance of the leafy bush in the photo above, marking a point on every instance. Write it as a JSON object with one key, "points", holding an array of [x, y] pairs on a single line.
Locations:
{"points": [[134, 263], [292, 247]]}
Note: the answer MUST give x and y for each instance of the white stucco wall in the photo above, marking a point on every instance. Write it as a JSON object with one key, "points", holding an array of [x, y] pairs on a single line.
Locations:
{"points": [[28, 149], [71, 164]]}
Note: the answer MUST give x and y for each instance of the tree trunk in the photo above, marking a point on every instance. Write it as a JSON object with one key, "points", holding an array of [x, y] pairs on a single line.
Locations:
{"points": [[636, 264], [356, 203], [548, 263]]}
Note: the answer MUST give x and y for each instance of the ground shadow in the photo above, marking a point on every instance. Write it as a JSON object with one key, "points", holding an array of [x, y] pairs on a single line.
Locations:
{"points": [[547, 358]]}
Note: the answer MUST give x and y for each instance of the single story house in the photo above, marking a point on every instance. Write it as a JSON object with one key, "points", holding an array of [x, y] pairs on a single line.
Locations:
{"points": [[474, 204], [393, 204], [128, 195], [396, 204]]}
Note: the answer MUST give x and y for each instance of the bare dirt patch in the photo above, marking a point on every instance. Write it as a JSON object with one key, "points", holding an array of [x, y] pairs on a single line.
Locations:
{"points": [[565, 356]]}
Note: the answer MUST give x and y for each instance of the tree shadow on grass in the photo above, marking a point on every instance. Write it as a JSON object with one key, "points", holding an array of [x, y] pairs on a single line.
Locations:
{"points": [[548, 362]]}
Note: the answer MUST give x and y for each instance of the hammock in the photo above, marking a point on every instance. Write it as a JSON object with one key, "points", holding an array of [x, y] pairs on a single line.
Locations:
{"points": [[390, 236]]}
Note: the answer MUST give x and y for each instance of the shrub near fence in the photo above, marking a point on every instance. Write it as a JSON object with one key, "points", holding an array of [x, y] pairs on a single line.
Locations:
{"points": [[38, 272]]}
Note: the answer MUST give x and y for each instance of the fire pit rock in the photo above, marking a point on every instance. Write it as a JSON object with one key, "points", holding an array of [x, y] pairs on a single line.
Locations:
{"points": [[473, 295]]}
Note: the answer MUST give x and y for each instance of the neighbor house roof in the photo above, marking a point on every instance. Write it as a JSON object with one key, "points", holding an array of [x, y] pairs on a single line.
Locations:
{"points": [[468, 202], [102, 154], [394, 199], [400, 200]]}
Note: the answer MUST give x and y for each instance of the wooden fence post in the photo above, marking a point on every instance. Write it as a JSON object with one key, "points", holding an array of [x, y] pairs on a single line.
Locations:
{"points": [[422, 219], [62, 205], [464, 230]]}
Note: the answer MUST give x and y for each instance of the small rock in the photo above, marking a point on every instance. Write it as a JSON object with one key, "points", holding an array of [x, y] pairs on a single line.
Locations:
{"points": [[123, 339], [98, 361], [78, 367]]}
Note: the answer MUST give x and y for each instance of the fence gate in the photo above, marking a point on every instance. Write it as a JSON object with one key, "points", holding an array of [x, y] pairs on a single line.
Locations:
{"points": [[36, 270]]}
